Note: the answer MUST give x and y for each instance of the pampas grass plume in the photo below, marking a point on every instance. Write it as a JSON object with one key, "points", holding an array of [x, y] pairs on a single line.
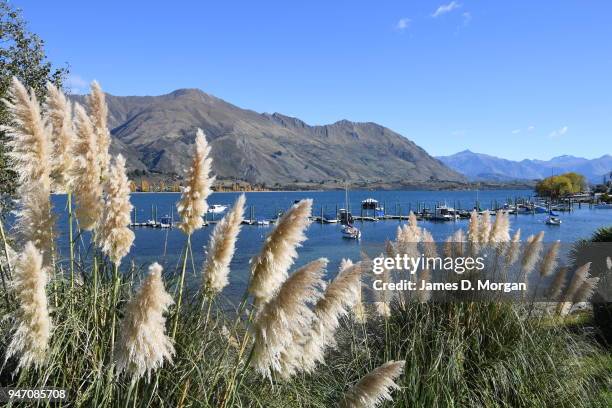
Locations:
{"points": [[285, 318], [484, 227], [99, 117], [29, 135], [580, 276], [532, 253], [549, 263], [192, 205], [358, 307], [474, 233], [31, 151], [375, 387], [59, 112], [413, 225], [221, 249], [86, 172], [143, 344], [501, 227], [512, 251], [557, 284], [339, 297], [32, 322], [586, 290], [115, 236], [269, 268]]}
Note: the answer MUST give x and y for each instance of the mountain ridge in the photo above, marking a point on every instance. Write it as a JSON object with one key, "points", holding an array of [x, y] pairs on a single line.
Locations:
{"points": [[480, 166], [155, 133]]}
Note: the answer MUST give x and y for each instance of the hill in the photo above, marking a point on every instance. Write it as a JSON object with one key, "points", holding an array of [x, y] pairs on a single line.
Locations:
{"points": [[155, 134]]}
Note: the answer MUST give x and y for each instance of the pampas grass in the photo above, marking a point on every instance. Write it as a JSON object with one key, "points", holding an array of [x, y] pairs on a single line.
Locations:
{"points": [[513, 249], [29, 135], [474, 233], [407, 239], [531, 254], [558, 283], [31, 151], [500, 232], [86, 172], [99, 116], [269, 268], [484, 227], [115, 236], [580, 276], [413, 225], [193, 206], [382, 297], [340, 296], [32, 327], [549, 263], [221, 248], [375, 387], [59, 112], [143, 345], [285, 318], [586, 290], [358, 309]]}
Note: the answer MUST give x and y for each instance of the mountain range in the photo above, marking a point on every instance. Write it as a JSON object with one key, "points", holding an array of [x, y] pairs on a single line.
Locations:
{"points": [[478, 167], [156, 133]]}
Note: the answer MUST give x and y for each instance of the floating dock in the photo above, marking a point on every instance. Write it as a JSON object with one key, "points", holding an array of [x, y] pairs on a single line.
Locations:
{"points": [[400, 212]]}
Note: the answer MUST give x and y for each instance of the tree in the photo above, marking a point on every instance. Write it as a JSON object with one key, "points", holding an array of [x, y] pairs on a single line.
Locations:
{"points": [[21, 55], [578, 181], [557, 186]]}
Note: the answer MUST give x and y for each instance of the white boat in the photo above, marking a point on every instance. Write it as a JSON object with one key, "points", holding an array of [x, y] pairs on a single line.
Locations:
{"points": [[553, 221], [445, 213], [348, 231], [351, 232], [165, 222], [263, 222], [217, 208], [330, 220]]}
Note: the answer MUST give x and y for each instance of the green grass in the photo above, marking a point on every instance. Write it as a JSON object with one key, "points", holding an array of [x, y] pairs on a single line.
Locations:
{"points": [[457, 355]]}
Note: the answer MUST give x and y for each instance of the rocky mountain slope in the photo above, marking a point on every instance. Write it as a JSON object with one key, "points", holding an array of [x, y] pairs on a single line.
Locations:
{"points": [[155, 133]]}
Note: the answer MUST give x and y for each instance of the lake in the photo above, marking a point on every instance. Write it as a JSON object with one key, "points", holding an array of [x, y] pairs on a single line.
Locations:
{"points": [[325, 240]]}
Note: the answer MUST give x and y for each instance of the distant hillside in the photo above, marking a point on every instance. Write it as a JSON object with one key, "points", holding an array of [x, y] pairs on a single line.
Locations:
{"points": [[156, 132], [478, 166]]}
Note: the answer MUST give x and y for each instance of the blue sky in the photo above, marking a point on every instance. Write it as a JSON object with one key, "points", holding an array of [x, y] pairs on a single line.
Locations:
{"points": [[516, 79]]}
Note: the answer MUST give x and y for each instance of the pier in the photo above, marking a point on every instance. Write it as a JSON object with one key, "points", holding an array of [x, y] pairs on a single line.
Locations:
{"points": [[375, 211]]}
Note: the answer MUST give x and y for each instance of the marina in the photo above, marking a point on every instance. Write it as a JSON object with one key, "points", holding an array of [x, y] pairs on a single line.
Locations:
{"points": [[372, 210], [157, 238]]}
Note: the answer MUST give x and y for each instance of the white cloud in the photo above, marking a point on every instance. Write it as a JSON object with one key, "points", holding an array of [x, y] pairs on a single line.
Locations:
{"points": [[558, 132], [516, 131], [467, 17], [530, 128], [458, 132], [403, 24], [446, 8], [76, 84]]}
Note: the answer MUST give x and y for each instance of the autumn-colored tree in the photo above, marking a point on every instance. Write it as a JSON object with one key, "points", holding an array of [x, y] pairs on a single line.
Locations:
{"points": [[558, 186]]}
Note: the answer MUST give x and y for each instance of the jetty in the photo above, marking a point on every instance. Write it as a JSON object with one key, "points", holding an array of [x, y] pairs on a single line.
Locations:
{"points": [[372, 210]]}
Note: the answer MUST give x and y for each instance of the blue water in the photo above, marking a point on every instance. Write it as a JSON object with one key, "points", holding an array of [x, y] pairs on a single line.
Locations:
{"points": [[324, 240]]}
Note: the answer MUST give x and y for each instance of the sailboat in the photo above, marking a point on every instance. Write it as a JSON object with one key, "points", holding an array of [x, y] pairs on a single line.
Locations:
{"points": [[349, 231]]}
